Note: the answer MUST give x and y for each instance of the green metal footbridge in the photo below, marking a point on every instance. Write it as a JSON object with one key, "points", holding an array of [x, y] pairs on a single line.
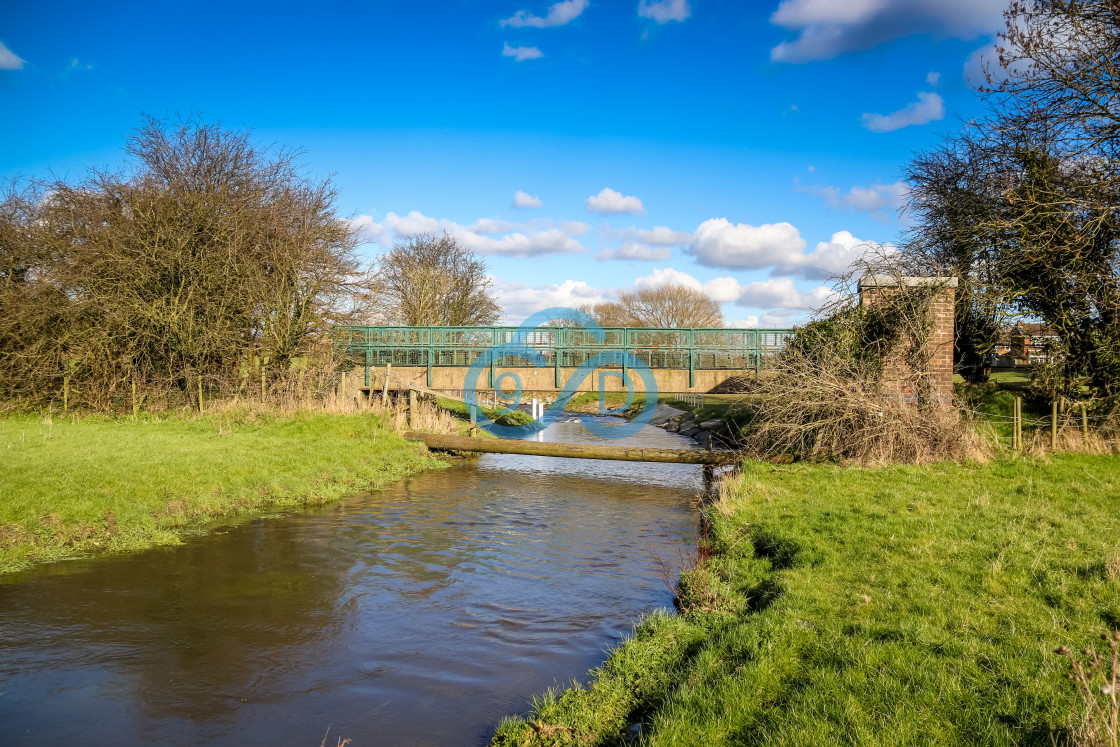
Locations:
{"points": [[440, 356]]}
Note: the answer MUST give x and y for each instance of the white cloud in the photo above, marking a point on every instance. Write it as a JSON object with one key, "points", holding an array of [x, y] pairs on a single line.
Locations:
{"points": [[9, 60], [656, 236], [933, 79], [831, 258], [765, 321], [722, 289], [663, 11], [524, 200], [778, 247], [928, 108], [826, 28], [776, 293], [482, 237], [635, 250], [985, 61], [520, 54], [492, 226], [558, 14], [414, 222], [880, 201], [551, 241], [610, 202], [574, 227], [778, 299], [781, 293], [719, 243], [519, 300], [369, 230]]}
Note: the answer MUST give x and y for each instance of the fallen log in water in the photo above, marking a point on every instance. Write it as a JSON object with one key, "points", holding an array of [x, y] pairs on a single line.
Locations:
{"points": [[576, 451]]}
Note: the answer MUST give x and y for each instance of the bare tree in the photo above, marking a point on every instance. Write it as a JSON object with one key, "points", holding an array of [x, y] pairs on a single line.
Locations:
{"points": [[208, 257], [433, 280], [666, 306]]}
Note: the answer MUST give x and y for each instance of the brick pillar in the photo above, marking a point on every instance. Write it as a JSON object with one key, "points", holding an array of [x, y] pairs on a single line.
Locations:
{"points": [[942, 313]]}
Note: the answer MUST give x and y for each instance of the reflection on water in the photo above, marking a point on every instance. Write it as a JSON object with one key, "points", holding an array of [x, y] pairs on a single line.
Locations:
{"points": [[420, 614]]}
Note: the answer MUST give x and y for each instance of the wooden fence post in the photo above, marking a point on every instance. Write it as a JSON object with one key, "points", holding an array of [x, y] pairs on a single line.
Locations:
{"points": [[413, 416], [385, 392], [1053, 425], [1017, 426], [1084, 426]]}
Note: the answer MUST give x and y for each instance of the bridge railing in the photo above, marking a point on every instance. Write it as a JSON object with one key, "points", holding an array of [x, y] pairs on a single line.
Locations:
{"points": [[565, 347]]}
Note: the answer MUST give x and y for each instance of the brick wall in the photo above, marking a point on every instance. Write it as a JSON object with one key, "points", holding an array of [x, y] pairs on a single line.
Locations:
{"points": [[897, 377]]}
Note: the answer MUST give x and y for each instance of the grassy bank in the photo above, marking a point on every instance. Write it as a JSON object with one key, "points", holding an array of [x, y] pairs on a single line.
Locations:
{"points": [[70, 485], [887, 606]]}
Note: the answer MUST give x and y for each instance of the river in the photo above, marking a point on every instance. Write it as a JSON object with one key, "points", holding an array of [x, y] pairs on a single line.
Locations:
{"points": [[420, 614]]}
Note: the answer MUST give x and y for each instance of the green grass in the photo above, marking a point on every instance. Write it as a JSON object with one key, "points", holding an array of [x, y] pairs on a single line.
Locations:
{"points": [[716, 406], [886, 606], [70, 485], [460, 410]]}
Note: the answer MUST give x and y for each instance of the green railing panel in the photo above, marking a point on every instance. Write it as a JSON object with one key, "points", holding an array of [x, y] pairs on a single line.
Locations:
{"points": [[566, 347]]}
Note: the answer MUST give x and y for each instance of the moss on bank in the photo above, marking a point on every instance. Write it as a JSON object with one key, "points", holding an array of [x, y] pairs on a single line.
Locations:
{"points": [[887, 606], [72, 485]]}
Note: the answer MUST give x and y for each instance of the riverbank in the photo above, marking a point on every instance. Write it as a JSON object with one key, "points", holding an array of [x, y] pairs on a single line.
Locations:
{"points": [[894, 605], [73, 485]]}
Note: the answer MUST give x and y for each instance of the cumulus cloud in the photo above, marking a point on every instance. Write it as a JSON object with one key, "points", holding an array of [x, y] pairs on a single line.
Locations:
{"points": [[520, 54], [831, 258], [777, 300], [519, 300], [574, 227], [656, 236], [763, 321], [933, 79], [492, 226], [558, 14], [721, 289], [781, 293], [719, 243], [776, 293], [880, 201], [635, 250], [663, 11], [928, 108], [524, 200], [485, 236], [414, 222], [826, 28], [610, 202], [369, 230], [9, 60], [778, 247], [985, 61]]}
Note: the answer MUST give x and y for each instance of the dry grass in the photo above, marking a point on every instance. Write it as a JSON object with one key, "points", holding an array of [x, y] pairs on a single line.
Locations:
{"points": [[1097, 677], [819, 412]]}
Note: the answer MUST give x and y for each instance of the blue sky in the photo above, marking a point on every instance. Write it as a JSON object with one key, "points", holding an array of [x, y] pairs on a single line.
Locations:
{"points": [[748, 148]]}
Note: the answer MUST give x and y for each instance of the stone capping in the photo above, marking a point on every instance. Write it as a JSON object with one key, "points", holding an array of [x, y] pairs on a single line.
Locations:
{"points": [[891, 281]]}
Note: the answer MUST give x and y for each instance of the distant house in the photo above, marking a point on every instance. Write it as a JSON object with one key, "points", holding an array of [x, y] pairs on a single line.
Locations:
{"points": [[1026, 344]]}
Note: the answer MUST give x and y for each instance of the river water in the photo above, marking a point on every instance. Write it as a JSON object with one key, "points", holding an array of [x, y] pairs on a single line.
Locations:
{"points": [[416, 615]]}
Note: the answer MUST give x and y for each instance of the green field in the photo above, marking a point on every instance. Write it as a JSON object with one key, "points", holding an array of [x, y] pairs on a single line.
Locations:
{"points": [[885, 606], [70, 485]]}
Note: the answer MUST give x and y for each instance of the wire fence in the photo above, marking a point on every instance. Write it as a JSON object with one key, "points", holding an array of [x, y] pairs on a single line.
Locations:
{"points": [[1069, 427]]}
